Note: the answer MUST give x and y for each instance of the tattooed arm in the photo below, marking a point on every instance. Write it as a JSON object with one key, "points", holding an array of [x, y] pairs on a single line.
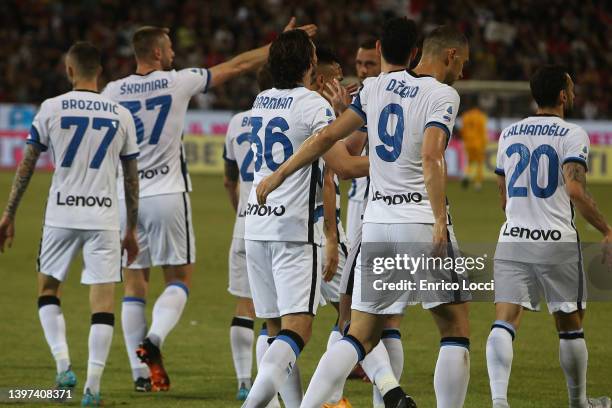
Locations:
{"points": [[575, 185], [132, 191], [20, 184]]}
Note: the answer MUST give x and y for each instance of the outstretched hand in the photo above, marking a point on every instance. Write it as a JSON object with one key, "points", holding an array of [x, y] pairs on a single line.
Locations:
{"points": [[310, 29], [7, 232]]}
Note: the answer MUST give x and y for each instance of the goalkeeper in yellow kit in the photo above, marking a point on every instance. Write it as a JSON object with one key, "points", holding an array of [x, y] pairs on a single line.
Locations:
{"points": [[474, 136]]}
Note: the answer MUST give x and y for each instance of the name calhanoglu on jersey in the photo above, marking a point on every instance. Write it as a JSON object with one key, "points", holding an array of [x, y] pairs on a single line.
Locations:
{"points": [[539, 213]]}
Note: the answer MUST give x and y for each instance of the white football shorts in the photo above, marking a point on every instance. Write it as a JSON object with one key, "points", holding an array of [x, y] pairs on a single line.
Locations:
{"points": [[101, 254], [521, 283], [238, 276], [165, 231], [285, 277]]}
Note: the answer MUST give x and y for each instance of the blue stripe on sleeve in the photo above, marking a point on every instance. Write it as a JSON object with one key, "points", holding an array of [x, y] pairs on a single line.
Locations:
{"points": [[130, 156], [38, 145], [441, 126]]}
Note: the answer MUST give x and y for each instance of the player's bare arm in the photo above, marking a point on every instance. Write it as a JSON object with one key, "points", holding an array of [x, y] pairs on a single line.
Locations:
{"points": [[250, 60], [575, 185], [330, 227], [501, 187], [434, 174], [132, 189], [20, 184], [345, 164], [230, 182], [313, 148]]}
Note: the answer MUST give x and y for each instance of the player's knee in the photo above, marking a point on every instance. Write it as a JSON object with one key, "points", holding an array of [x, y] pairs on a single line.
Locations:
{"points": [[568, 322], [300, 324], [295, 340]]}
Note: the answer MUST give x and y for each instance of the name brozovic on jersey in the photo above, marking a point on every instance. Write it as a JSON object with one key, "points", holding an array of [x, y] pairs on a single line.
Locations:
{"points": [[397, 108], [158, 102], [87, 135], [281, 120], [238, 149]]}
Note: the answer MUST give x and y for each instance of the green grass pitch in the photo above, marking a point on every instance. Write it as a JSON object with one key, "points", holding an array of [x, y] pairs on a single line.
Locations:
{"points": [[197, 353]]}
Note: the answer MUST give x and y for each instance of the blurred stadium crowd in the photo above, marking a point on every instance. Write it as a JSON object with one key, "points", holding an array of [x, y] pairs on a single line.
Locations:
{"points": [[508, 38]]}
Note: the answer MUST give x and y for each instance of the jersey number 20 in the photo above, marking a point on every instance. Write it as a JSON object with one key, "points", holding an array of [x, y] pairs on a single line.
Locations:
{"points": [[526, 158]]}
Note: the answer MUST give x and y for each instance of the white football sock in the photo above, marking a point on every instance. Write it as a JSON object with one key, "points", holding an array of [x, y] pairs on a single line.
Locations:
{"points": [[100, 339], [274, 368], [335, 366], [134, 325], [378, 368], [261, 346], [54, 328], [241, 341], [499, 359], [452, 373], [167, 312], [392, 340], [573, 356], [291, 390], [336, 396]]}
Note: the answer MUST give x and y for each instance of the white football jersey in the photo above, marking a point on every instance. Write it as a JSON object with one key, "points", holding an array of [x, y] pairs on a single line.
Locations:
{"points": [[158, 102], [238, 149], [87, 134], [398, 107], [531, 154], [282, 119]]}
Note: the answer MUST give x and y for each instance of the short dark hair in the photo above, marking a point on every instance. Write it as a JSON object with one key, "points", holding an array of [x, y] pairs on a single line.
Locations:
{"points": [[86, 58], [368, 44], [264, 78], [291, 55], [546, 84], [399, 37], [325, 55], [146, 38], [442, 37]]}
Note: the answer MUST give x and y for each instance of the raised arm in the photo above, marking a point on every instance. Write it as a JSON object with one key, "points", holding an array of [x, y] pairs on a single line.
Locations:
{"points": [[434, 173], [330, 226], [249, 60], [230, 182], [132, 191], [313, 148], [20, 184]]}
